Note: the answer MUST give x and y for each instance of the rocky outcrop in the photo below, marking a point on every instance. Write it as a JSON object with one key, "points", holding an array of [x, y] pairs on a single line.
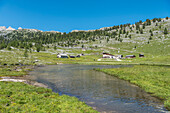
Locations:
{"points": [[10, 29], [82, 30], [33, 30], [2, 28], [19, 28]]}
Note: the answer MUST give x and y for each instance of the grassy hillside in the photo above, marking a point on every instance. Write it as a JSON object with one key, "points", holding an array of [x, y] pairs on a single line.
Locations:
{"points": [[148, 38], [156, 48]]}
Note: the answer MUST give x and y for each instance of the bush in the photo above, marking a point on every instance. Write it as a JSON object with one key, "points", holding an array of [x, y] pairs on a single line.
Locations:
{"points": [[9, 48]]}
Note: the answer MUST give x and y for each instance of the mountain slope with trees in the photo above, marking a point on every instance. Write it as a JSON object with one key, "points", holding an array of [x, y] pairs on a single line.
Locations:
{"points": [[25, 38]]}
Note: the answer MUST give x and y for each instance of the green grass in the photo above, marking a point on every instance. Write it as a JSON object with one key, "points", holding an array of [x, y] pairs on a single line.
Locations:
{"points": [[153, 79], [23, 98], [19, 97], [46, 58], [11, 71], [153, 55]]}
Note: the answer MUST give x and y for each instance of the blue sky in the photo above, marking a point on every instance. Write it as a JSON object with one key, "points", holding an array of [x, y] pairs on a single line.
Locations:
{"points": [[67, 15]]}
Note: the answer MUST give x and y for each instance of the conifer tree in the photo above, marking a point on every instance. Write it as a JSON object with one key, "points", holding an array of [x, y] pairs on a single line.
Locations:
{"points": [[150, 38], [8, 47], [154, 20], [143, 26], [107, 40], [38, 48], [120, 31], [156, 24], [159, 20], [25, 53], [55, 47], [124, 31], [141, 31], [148, 22], [165, 31], [82, 45], [167, 18], [137, 26]]}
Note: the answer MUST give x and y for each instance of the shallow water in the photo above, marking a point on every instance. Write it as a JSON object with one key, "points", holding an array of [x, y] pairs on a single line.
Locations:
{"points": [[103, 92]]}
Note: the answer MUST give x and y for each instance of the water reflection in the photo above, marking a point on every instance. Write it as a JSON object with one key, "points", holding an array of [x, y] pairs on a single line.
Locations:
{"points": [[101, 91]]}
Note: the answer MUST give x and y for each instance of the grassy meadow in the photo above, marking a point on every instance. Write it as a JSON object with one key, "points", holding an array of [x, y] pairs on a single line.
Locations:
{"points": [[12, 71], [37, 100], [153, 79]]}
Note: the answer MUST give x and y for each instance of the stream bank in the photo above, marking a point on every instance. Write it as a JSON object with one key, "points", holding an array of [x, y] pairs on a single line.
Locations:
{"points": [[103, 92]]}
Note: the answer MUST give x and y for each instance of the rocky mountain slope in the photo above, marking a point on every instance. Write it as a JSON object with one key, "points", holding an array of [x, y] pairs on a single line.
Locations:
{"points": [[125, 38]]}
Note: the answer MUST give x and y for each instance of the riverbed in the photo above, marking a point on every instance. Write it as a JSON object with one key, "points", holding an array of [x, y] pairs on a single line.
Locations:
{"points": [[103, 92]]}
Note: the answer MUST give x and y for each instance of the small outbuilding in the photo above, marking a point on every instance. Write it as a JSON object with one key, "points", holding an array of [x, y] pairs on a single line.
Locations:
{"points": [[107, 55], [141, 55], [130, 56], [62, 56], [72, 56]]}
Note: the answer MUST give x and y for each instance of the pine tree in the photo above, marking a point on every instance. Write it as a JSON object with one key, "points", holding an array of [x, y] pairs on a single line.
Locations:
{"points": [[131, 28], [148, 22], [9, 47], [150, 38], [143, 26], [127, 32], [141, 31], [120, 39], [107, 40], [38, 48], [120, 31], [140, 21], [137, 26], [159, 20], [165, 31], [125, 36], [25, 53], [124, 31], [167, 17], [55, 47], [154, 20], [150, 31], [156, 24]]}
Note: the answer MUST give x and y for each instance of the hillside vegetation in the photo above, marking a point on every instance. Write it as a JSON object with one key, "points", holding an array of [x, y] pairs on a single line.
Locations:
{"points": [[151, 38]]}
